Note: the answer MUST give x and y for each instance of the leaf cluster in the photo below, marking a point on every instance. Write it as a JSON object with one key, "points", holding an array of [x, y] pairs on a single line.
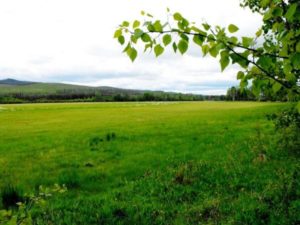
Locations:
{"points": [[269, 59]]}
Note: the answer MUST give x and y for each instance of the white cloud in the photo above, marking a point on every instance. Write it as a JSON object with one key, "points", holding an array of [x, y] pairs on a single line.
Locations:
{"points": [[71, 41]]}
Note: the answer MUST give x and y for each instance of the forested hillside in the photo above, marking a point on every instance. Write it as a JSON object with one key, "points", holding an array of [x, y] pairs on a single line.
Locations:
{"points": [[14, 91]]}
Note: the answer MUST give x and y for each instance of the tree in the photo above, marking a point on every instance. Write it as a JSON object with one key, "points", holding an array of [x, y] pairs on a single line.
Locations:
{"points": [[270, 59], [236, 93], [231, 93]]}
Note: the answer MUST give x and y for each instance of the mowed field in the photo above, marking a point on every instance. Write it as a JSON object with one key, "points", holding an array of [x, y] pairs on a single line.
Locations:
{"points": [[147, 163]]}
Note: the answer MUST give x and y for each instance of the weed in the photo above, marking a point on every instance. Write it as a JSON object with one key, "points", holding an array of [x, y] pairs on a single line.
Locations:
{"points": [[95, 143], [108, 136], [259, 147], [119, 213], [89, 164]]}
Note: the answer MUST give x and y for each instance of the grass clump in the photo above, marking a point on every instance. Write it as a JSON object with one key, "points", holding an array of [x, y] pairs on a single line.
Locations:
{"points": [[95, 143], [70, 178]]}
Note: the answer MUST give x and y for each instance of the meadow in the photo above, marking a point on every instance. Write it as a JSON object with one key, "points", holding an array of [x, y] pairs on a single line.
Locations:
{"points": [[150, 163]]}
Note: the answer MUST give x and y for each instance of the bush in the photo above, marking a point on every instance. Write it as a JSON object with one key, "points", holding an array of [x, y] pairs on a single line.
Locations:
{"points": [[11, 195], [287, 124], [23, 213]]}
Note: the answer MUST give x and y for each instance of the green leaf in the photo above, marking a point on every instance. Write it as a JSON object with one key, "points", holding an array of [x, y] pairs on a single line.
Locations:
{"points": [[132, 53], [291, 11], [121, 39], [206, 26], [233, 28], [265, 61], [138, 33], [264, 3], [258, 33], [243, 84], [158, 50], [276, 87], [224, 60], [125, 24], [239, 60], [214, 50], [298, 46], [127, 47], [277, 11], [145, 37], [233, 40], [197, 30], [177, 16], [247, 41], [174, 47], [183, 46], [136, 24], [149, 15], [150, 28], [167, 39], [255, 89], [298, 106], [193, 28], [284, 49], [118, 33], [185, 37], [198, 39], [133, 39], [157, 26], [185, 23], [287, 69], [296, 60], [291, 77], [181, 25], [255, 71], [240, 75], [147, 46], [268, 15], [210, 38], [205, 49]]}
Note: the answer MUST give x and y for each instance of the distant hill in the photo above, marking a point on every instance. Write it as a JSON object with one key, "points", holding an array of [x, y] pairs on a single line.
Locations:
{"points": [[14, 82], [15, 91], [28, 87]]}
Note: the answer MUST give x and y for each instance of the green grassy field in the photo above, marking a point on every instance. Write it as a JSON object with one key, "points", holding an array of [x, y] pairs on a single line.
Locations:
{"points": [[149, 163]]}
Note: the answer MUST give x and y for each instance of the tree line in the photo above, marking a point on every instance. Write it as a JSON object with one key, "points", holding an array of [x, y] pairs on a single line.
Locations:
{"points": [[73, 96], [234, 93]]}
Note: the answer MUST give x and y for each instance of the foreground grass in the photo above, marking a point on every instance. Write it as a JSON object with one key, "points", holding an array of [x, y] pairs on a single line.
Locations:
{"points": [[150, 163]]}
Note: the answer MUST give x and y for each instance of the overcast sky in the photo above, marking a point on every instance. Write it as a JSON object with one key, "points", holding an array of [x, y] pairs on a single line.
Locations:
{"points": [[71, 41]]}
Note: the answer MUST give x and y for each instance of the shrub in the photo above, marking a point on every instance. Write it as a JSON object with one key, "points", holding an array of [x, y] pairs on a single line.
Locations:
{"points": [[22, 215], [287, 124]]}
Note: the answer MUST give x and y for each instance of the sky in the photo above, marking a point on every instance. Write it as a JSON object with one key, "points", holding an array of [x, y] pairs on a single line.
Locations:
{"points": [[71, 41]]}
